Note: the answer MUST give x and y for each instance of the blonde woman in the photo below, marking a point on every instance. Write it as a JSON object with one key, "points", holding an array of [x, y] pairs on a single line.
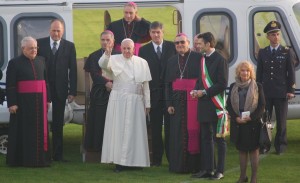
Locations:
{"points": [[246, 104]]}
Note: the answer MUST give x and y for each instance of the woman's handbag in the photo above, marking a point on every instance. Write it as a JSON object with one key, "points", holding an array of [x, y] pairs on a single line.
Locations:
{"points": [[265, 136]]}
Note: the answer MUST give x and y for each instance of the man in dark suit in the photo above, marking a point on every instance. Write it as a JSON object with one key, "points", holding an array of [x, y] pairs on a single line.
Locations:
{"points": [[157, 53], [60, 56], [275, 70], [210, 86]]}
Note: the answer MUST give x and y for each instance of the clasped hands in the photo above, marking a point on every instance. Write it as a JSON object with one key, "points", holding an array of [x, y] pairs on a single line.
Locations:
{"points": [[244, 120], [290, 96], [196, 93], [13, 109]]}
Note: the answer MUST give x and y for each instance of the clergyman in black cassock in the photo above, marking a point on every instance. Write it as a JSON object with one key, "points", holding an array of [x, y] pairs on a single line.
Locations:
{"points": [[27, 96], [182, 69], [99, 96], [130, 26]]}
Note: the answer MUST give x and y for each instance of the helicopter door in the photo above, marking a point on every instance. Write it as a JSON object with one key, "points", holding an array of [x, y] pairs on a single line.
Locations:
{"points": [[177, 20], [107, 19]]}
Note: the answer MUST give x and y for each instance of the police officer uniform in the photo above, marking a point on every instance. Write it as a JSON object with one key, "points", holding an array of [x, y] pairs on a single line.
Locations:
{"points": [[275, 70]]}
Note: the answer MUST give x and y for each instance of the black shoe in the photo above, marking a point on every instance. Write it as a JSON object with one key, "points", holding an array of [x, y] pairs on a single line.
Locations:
{"points": [[118, 169], [263, 151], [61, 160], [157, 164], [201, 174], [241, 181], [278, 153], [217, 176]]}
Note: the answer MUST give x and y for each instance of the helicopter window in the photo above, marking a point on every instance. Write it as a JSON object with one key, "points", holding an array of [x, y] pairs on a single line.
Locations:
{"points": [[36, 27], [1, 45], [220, 25], [296, 9], [261, 19]]}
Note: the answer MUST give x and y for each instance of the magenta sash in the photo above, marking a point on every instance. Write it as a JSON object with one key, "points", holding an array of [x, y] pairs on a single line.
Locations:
{"points": [[137, 47], [192, 121], [38, 86]]}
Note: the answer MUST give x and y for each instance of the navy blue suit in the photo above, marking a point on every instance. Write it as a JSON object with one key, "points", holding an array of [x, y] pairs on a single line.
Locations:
{"points": [[277, 75]]}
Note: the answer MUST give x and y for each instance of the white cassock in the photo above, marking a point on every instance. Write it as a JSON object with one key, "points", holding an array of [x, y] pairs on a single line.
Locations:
{"points": [[125, 140]]}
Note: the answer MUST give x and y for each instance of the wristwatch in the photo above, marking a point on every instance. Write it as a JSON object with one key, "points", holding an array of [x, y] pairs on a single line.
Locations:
{"points": [[204, 92]]}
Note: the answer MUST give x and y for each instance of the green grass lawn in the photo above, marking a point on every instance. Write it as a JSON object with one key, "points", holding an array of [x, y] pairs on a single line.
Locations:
{"points": [[272, 169]]}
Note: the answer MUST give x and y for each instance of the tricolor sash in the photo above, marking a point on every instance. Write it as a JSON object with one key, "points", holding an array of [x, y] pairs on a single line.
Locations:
{"points": [[193, 126], [38, 86], [218, 100]]}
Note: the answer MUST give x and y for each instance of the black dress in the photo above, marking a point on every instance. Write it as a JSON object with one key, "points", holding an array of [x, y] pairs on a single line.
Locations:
{"points": [[246, 136]]}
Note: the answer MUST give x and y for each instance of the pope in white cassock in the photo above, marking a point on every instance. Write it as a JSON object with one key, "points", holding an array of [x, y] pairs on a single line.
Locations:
{"points": [[125, 140]]}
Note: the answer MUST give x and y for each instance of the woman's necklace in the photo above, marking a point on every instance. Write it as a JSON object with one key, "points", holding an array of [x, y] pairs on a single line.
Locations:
{"points": [[125, 32], [182, 71]]}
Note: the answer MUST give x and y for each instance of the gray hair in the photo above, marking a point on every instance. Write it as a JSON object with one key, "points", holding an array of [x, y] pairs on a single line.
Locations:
{"points": [[108, 32], [127, 40], [27, 39]]}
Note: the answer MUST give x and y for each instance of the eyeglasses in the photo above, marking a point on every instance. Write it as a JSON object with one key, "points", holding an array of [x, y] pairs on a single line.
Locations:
{"points": [[179, 42]]}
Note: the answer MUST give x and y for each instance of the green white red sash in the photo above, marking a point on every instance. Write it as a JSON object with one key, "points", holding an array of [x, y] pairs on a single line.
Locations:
{"points": [[218, 100]]}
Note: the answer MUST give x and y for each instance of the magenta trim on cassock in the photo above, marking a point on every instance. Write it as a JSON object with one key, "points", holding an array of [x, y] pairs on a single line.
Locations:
{"points": [[38, 86], [193, 125]]}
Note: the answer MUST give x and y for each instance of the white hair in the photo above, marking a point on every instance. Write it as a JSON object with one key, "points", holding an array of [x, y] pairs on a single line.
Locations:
{"points": [[127, 39], [27, 39]]}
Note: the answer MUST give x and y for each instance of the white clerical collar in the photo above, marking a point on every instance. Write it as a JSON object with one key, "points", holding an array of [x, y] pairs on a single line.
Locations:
{"points": [[52, 41], [271, 48], [213, 50], [155, 45]]}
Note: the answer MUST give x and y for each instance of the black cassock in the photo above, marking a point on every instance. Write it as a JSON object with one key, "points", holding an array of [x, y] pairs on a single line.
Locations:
{"points": [[98, 103], [138, 31], [28, 140], [180, 159]]}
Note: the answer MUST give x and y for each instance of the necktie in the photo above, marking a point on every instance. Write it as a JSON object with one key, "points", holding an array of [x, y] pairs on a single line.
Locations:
{"points": [[158, 52], [54, 49], [273, 52]]}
